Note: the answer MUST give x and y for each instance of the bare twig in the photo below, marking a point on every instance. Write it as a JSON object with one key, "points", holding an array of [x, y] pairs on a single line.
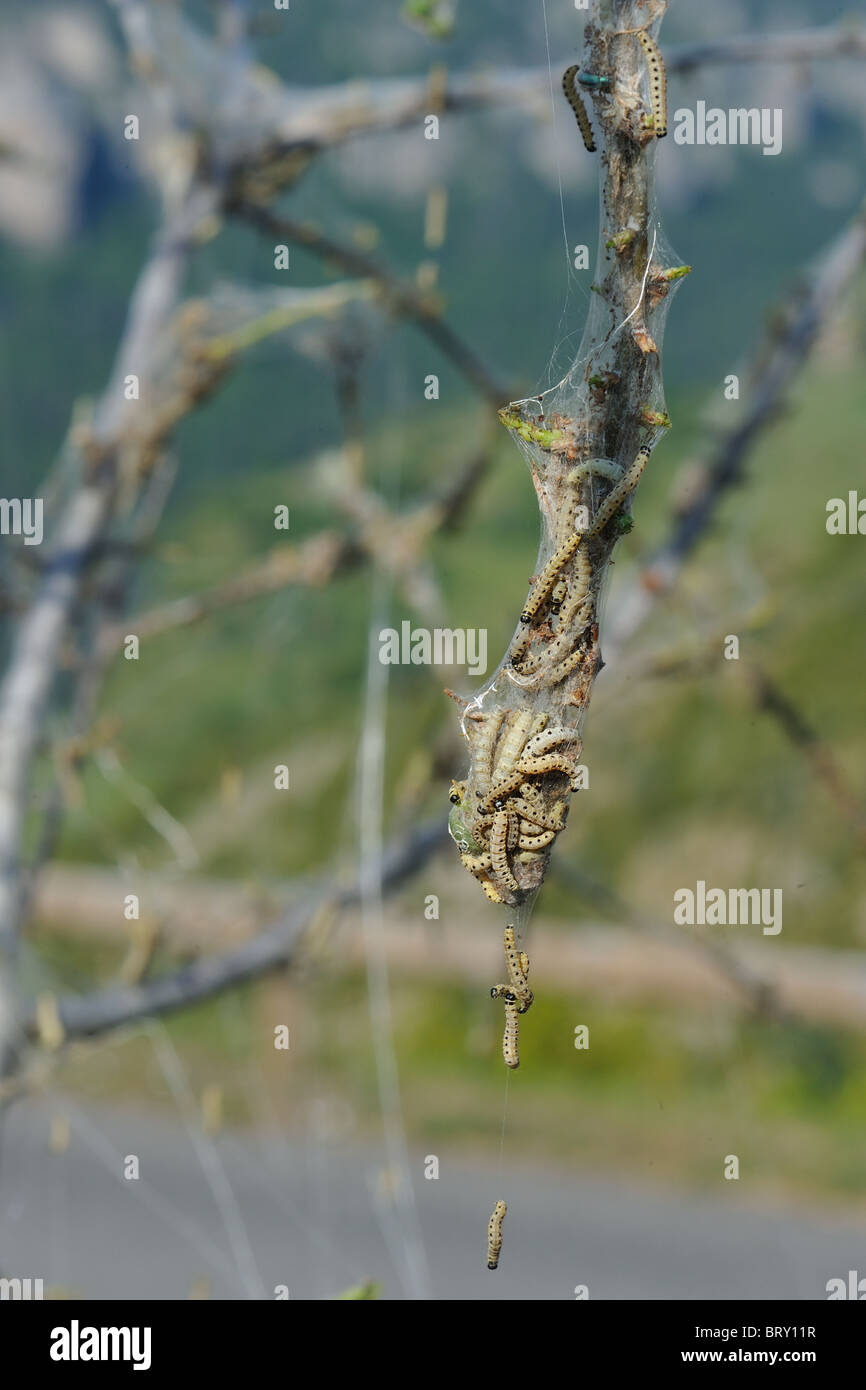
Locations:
{"points": [[820, 757], [777, 363], [33, 659], [328, 116], [394, 541], [399, 298], [115, 1007]]}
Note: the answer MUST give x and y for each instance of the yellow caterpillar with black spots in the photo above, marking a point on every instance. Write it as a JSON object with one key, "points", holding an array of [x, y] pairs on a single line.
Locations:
{"points": [[658, 83], [575, 101], [494, 1235]]}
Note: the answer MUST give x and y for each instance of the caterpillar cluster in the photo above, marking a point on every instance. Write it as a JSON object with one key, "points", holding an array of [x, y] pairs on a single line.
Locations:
{"points": [[509, 810], [575, 101], [562, 593], [508, 819]]}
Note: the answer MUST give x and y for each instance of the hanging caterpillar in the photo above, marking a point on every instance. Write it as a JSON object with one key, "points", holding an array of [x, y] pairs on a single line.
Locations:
{"points": [[514, 959], [576, 103], [494, 1235], [509, 1040], [658, 83], [518, 969]]}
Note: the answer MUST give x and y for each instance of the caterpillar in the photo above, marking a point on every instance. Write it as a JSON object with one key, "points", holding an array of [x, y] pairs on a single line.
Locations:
{"points": [[549, 762], [512, 958], [615, 499], [573, 625], [538, 839], [518, 647], [499, 792], [531, 805], [543, 742], [511, 745], [574, 616], [476, 863], [534, 819], [570, 664], [494, 1235], [485, 744], [518, 969], [548, 577], [602, 468], [658, 83], [575, 102], [509, 1040], [499, 837], [558, 595]]}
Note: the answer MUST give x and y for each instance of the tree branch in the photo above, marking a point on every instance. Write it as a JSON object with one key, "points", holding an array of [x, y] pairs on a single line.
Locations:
{"points": [[401, 299], [776, 364], [327, 116], [89, 1015]]}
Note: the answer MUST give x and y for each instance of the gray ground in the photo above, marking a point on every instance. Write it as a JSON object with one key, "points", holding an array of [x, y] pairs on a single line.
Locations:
{"points": [[313, 1217]]}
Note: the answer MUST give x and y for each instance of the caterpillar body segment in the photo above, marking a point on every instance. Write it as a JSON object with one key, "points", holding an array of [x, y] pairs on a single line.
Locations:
{"points": [[575, 101], [571, 664], [494, 1235], [499, 836], [558, 596], [512, 958], [489, 891], [476, 863], [549, 738], [511, 745], [518, 647], [546, 580], [575, 613], [518, 968], [658, 83], [538, 840], [484, 746], [624, 487], [602, 468], [534, 815], [500, 792], [556, 650], [548, 762], [510, 1053]]}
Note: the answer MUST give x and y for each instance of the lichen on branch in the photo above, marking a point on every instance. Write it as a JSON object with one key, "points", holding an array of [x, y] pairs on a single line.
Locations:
{"points": [[587, 441]]}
